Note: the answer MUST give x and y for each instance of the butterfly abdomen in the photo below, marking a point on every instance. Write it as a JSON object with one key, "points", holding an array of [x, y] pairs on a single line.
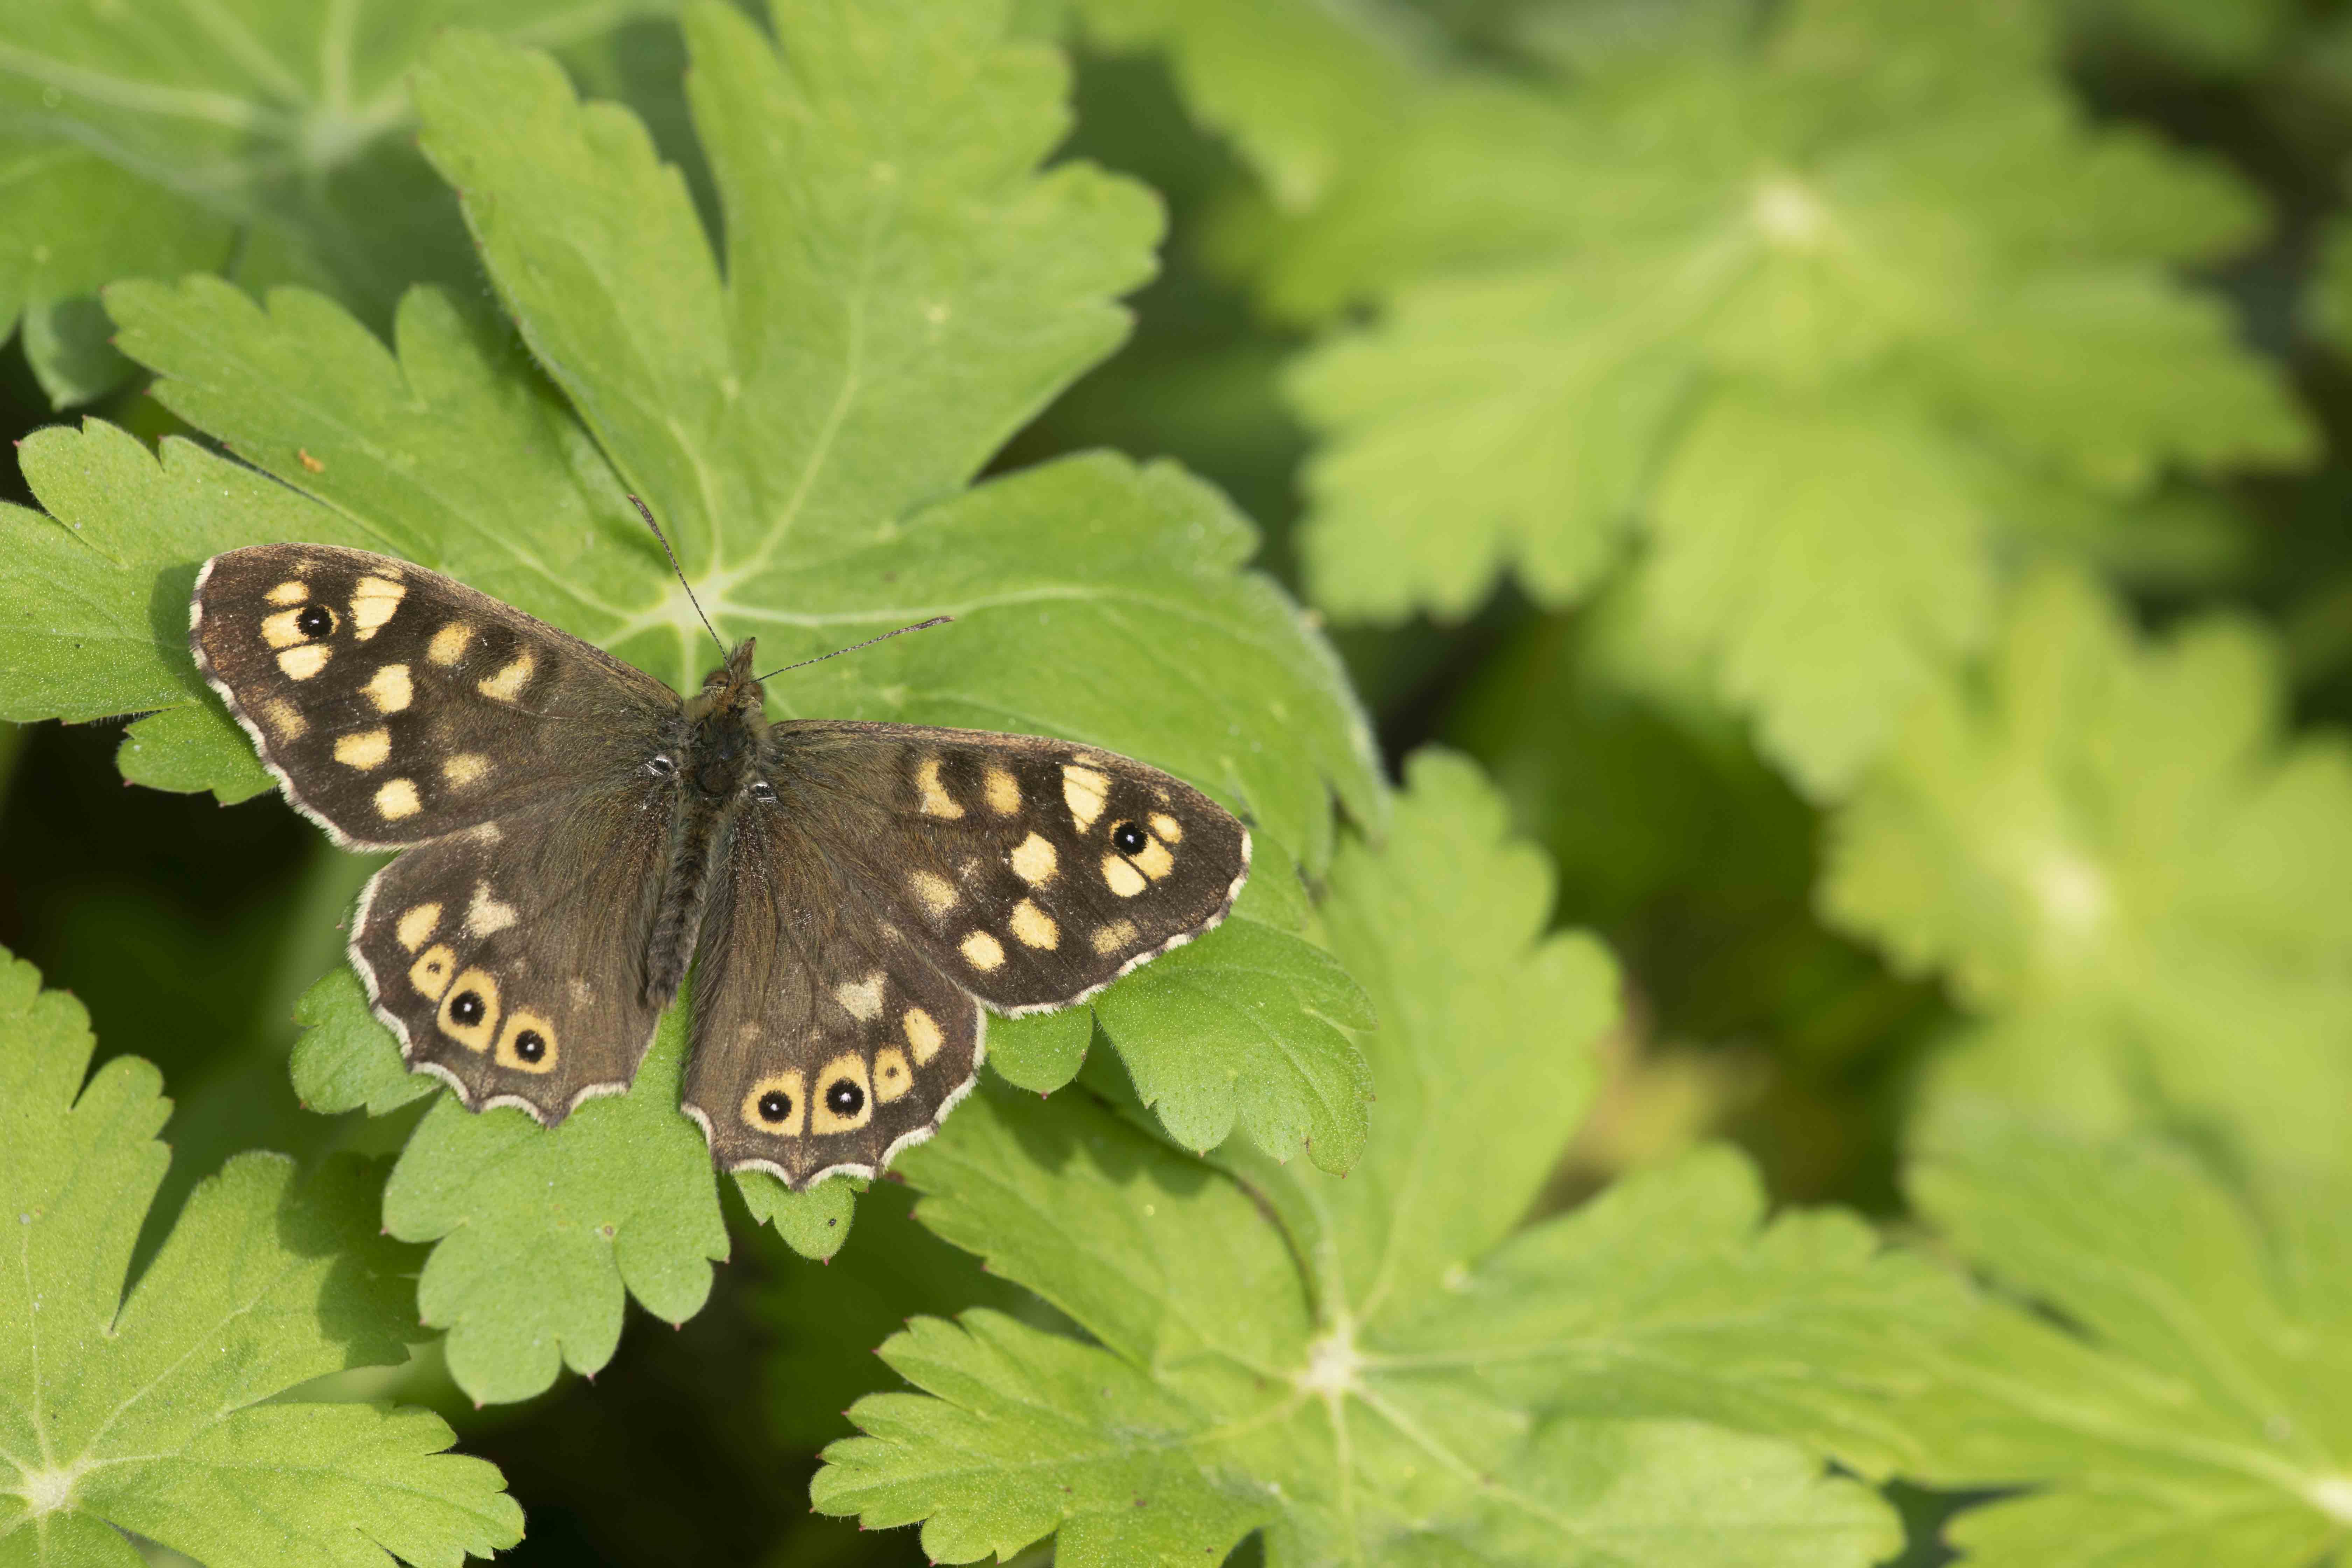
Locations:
{"points": [[721, 749]]}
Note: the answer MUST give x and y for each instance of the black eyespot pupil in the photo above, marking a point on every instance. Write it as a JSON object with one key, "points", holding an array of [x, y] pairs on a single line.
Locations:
{"points": [[775, 1105], [315, 622], [1127, 838], [466, 1008], [843, 1097], [531, 1044]]}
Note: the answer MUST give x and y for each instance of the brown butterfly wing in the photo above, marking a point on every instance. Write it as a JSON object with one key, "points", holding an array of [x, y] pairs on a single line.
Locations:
{"points": [[510, 959], [902, 876], [396, 705]]}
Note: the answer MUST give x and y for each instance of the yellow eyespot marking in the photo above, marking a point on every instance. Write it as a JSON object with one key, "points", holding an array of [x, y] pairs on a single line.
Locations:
{"points": [[465, 768], [417, 924], [469, 1012], [1085, 793], [448, 644], [302, 663], [1121, 878], [1034, 927], [1168, 827], [892, 1077], [389, 689], [284, 719], [1109, 939], [292, 591], [923, 1035], [839, 1083], [506, 685], [430, 973], [936, 801], [792, 1103], [1033, 860], [1154, 862], [937, 893], [1003, 790], [485, 915], [862, 1000], [279, 630], [983, 951], [526, 1044], [397, 799], [366, 750], [373, 602]]}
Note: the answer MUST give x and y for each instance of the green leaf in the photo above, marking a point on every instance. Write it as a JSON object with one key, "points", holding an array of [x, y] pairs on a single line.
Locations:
{"points": [[1325, 1360], [544, 1234], [1297, 87], [2111, 854], [271, 139], [902, 290], [157, 1412], [1820, 308], [2179, 1397]]}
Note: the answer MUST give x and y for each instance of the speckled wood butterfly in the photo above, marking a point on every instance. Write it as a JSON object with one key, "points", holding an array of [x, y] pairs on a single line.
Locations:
{"points": [[575, 836]]}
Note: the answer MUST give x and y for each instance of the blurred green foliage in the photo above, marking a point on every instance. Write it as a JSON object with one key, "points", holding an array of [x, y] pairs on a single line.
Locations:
{"points": [[1866, 482]]}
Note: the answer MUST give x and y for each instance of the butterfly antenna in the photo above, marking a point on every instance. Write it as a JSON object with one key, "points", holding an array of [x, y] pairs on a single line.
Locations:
{"points": [[869, 642], [646, 512]]}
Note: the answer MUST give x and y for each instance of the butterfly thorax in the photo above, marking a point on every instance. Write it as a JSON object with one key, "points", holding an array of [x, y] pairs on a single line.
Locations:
{"points": [[719, 771]]}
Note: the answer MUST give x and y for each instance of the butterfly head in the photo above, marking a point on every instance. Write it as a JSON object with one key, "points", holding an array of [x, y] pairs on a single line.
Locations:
{"points": [[731, 688]]}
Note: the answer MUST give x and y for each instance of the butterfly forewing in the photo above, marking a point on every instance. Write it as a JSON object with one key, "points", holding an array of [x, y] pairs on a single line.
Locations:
{"points": [[1031, 871], [396, 705]]}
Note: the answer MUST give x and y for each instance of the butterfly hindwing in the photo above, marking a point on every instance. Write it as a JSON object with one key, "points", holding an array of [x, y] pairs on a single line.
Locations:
{"points": [[396, 705], [824, 1038], [510, 958]]}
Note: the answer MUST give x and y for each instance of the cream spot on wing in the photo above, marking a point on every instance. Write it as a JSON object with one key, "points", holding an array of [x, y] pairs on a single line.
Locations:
{"points": [[292, 591], [1121, 878], [365, 750], [1168, 827], [302, 663], [1155, 862], [1033, 859], [508, 683], [430, 973], [983, 951], [280, 630], [834, 1082], [892, 1077], [397, 799], [1003, 790], [488, 832], [487, 915], [793, 1106], [285, 720], [936, 801], [1110, 938], [373, 602], [862, 1000], [923, 1036], [526, 1044], [1085, 792], [583, 994], [389, 689], [448, 644], [472, 995], [465, 768], [417, 924], [1034, 927], [937, 893]]}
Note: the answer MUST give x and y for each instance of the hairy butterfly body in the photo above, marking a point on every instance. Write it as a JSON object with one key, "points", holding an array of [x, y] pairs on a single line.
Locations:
{"points": [[575, 836]]}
